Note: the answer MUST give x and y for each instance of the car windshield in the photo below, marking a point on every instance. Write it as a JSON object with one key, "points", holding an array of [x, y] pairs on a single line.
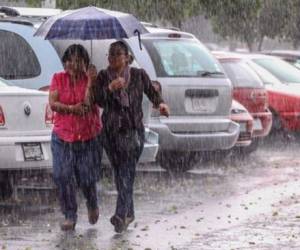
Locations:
{"points": [[241, 75], [284, 71], [181, 58]]}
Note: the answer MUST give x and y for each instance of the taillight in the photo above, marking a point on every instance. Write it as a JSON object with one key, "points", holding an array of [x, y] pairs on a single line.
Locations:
{"points": [[2, 117], [49, 115]]}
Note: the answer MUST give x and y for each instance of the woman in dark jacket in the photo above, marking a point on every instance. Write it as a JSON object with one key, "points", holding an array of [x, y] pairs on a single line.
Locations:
{"points": [[119, 91]]}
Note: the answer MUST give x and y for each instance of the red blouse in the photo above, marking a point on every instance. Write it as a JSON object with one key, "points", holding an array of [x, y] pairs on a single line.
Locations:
{"points": [[69, 127]]}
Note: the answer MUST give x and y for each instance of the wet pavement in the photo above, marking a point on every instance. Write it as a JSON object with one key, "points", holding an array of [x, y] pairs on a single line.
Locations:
{"points": [[234, 204]]}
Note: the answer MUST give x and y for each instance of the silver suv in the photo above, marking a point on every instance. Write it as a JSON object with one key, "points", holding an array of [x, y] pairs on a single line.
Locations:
{"points": [[197, 92]]}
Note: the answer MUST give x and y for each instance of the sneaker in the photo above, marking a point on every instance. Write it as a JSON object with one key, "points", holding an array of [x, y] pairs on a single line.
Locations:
{"points": [[118, 223], [93, 215], [67, 225]]}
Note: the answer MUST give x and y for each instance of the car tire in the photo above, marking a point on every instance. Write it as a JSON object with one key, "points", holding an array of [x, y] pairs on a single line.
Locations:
{"points": [[175, 161], [276, 124], [251, 148], [6, 187]]}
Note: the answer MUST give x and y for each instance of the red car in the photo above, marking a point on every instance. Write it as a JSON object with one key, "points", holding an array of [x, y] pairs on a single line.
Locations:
{"points": [[249, 90], [284, 96]]}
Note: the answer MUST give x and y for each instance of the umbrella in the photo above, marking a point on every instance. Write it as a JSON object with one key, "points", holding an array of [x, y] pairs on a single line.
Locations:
{"points": [[91, 23]]}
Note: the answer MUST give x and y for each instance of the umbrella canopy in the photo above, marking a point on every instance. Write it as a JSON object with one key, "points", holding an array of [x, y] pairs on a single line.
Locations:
{"points": [[90, 23]]}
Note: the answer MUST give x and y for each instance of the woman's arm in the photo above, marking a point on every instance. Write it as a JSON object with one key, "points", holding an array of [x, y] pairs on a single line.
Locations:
{"points": [[77, 109], [154, 95], [98, 90]]}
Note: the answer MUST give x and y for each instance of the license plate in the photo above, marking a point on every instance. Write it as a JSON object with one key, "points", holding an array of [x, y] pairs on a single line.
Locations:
{"points": [[257, 124], [201, 104], [32, 151], [242, 127]]}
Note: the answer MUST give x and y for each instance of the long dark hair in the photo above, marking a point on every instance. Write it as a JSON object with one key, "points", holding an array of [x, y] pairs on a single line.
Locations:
{"points": [[79, 50]]}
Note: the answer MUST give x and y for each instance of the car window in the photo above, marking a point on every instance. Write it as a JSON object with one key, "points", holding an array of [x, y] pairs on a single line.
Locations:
{"points": [[241, 75], [279, 68], [178, 58], [263, 74], [17, 59]]}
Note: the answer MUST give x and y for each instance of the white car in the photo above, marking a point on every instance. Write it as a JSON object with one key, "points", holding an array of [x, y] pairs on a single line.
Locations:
{"points": [[25, 129]]}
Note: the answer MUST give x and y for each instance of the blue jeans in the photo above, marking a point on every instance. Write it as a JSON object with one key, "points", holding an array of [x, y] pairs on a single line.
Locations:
{"points": [[76, 164], [124, 163]]}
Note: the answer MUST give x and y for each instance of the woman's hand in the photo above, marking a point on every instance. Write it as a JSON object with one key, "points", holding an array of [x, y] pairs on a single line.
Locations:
{"points": [[91, 74], [164, 109], [116, 84], [79, 109]]}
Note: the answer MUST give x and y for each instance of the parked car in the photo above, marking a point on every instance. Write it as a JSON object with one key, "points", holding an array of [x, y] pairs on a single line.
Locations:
{"points": [[284, 101], [197, 91], [240, 115], [30, 62], [250, 91], [291, 56], [282, 70], [25, 128]]}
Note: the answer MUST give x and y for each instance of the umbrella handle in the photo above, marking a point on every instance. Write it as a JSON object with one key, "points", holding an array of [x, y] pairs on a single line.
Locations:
{"points": [[138, 33]]}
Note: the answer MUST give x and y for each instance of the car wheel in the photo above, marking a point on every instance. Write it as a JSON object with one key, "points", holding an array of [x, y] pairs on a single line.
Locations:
{"points": [[276, 124], [6, 187], [251, 148], [175, 161]]}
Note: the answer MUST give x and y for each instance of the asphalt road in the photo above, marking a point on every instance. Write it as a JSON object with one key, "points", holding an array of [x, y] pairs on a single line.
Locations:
{"points": [[234, 204]]}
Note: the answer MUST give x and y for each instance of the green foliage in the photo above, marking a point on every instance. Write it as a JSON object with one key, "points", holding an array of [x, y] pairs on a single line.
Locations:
{"points": [[33, 3], [249, 21], [172, 11]]}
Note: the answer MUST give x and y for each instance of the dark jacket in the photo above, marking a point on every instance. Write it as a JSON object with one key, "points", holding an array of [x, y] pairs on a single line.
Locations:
{"points": [[115, 117]]}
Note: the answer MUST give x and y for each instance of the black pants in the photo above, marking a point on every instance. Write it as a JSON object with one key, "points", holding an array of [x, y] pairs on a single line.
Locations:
{"points": [[123, 158]]}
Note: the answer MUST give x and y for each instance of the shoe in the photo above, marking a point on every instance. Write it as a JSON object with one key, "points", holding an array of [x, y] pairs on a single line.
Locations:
{"points": [[93, 215], [67, 225], [128, 220], [118, 223]]}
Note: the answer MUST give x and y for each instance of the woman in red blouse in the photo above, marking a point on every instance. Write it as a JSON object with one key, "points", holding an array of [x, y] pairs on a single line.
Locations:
{"points": [[76, 143]]}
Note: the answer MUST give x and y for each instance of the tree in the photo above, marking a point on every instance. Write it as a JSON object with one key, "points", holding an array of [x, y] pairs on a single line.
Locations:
{"points": [[164, 11], [249, 21], [292, 28]]}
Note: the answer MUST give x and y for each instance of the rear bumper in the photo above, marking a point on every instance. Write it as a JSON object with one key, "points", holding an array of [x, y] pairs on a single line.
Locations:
{"points": [[195, 141], [290, 120], [266, 122], [12, 156]]}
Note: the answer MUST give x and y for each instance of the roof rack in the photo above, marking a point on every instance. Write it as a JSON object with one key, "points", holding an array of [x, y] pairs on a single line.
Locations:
{"points": [[8, 11]]}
